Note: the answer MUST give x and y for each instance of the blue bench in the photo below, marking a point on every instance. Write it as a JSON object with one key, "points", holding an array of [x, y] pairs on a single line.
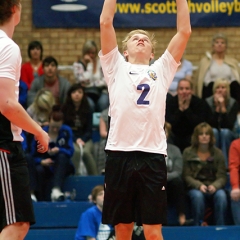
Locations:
{"points": [[169, 233], [58, 214], [82, 185]]}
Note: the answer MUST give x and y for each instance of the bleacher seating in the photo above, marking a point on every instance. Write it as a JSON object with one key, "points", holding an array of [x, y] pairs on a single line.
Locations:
{"points": [[59, 220]]}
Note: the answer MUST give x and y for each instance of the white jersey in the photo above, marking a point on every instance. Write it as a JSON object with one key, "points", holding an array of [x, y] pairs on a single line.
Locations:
{"points": [[137, 102], [10, 66]]}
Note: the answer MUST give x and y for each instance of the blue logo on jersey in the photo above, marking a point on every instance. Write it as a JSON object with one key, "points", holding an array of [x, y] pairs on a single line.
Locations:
{"points": [[152, 75]]}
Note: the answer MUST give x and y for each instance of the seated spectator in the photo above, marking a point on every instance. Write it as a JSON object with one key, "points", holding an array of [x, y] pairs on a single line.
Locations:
{"points": [[31, 166], [78, 116], [218, 65], [55, 165], [224, 114], [41, 107], [184, 71], [175, 187], [103, 130], [32, 68], [234, 170], [204, 173], [90, 224], [51, 81], [23, 90], [88, 72], [185, 111]]}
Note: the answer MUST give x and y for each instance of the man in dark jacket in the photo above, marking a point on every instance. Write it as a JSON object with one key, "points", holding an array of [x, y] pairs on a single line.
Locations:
{"points": [[184, 112]]}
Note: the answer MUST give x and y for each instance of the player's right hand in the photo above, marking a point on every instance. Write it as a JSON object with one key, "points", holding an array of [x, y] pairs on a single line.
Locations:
{"points": [[42, 141]]}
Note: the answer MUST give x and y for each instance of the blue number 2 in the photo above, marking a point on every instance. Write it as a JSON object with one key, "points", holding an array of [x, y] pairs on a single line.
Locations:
{"points": [[145, 88]]}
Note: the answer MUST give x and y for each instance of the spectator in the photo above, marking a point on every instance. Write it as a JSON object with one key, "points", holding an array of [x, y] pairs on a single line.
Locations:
{"points": [[175, 187], [23, 90], [185, 111], [103, 130], [218, 65], [31, 166], [204, 173], [184, 71], [51, 81], [55, 164], [224, 114], [32, 68], [90, 225], [41, 107], [88, 72], [78, 116], [234, 170]]}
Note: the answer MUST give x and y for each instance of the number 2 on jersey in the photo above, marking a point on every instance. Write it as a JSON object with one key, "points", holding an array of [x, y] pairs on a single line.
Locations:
{"points": [[145, 88]]}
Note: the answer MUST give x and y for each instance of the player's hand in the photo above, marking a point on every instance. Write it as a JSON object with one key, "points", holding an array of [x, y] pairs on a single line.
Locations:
{"points": [[42, 139]]}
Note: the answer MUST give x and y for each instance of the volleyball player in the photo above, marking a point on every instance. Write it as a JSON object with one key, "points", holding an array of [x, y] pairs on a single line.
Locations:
{"points": [[16, 211], [135, 173]]}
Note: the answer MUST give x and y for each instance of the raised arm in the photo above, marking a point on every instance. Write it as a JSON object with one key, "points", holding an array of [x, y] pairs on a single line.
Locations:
{"points": [[107, 32], [178, 43]]}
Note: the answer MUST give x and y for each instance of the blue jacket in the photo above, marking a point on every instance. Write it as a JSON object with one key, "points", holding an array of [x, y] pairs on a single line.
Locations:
{"points": [[64, 143]]}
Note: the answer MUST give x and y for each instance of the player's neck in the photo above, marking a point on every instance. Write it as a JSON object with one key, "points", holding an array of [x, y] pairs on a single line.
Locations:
{"points": [[8, 29], [138, 60]]}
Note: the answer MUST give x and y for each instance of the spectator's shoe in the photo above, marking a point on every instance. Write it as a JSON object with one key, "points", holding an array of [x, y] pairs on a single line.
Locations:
{"points": [[188, 222], [57, 195], [33, 197]]}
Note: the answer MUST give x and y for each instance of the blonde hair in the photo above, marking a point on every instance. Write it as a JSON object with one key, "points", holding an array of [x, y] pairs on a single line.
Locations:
{"points": [[44, 100], [222, 81], [197, 131], [167, 128], [139, 31], [89, 45]]}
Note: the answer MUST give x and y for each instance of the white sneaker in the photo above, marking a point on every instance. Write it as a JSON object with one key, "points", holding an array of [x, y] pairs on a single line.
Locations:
{"points": [[33, 197], [57, 195]]}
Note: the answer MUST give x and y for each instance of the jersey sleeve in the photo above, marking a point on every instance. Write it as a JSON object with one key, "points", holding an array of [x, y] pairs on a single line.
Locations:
{"points": [[167, 64], [10, 62], [109, 63]]}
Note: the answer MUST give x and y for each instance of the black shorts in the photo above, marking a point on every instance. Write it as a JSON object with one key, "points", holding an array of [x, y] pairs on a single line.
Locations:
{"points": [[15, 198], [135, 188]]}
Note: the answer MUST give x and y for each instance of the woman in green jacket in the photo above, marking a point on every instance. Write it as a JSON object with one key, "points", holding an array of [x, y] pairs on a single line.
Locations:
{"points": [[204, 173]]}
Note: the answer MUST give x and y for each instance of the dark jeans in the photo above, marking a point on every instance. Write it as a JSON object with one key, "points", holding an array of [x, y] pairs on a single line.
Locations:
{"points": [[200, 201], [54, 176]]}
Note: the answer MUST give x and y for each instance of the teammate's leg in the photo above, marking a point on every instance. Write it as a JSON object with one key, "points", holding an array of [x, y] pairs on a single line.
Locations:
{"points": [[16, 231]]}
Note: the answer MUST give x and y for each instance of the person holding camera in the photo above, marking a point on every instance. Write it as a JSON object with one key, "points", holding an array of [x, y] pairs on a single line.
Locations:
{"points": [[204, 173]]}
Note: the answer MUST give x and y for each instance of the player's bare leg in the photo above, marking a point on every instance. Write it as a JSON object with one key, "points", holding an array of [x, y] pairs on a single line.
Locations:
{"points": [[124, 231], [16, 231], [153, 232]]}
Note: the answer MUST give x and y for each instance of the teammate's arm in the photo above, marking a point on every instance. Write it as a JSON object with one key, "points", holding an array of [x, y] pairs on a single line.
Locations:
{"points": [[15, 113], [107, 32], [178, 43]]}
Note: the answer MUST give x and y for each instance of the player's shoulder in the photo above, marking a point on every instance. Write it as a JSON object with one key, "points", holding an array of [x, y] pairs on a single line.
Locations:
{"points": [[8, 46]]}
